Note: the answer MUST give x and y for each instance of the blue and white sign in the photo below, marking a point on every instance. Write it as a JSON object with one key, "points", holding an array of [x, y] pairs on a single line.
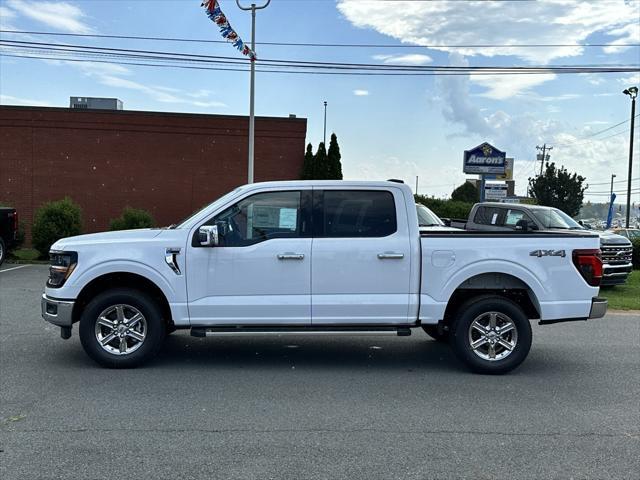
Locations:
{"points": [[484, 159]]}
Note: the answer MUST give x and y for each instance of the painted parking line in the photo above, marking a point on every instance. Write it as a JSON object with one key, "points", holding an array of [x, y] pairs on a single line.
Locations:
{"points": [[13, 268]]}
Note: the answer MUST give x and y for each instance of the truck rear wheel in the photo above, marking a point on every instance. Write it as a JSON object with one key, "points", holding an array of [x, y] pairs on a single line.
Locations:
{"points": [[122, 328], [491, 335]]}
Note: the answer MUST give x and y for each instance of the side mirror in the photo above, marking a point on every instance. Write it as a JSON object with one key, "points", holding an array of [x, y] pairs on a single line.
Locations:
{"points": [[208, 236]]}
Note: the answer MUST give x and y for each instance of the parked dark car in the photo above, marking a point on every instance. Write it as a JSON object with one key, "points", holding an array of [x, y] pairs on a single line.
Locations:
{"points": [[616, 249], [8, 231]]}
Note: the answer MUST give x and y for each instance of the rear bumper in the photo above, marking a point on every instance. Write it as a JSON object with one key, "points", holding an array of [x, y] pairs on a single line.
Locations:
{"points": [[58, 312], [598, 307], [598, 310]]}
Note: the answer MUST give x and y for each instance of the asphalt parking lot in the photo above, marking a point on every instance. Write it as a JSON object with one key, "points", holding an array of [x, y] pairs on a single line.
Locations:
{"points": [[316, 407]]}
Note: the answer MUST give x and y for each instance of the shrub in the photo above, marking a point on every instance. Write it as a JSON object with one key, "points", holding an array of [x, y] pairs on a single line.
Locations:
{"points": [[446, 208], [53, 221], [132, 218], [636, 253]]}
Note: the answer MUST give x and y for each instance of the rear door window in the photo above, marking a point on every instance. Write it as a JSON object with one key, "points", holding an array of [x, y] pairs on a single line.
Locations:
{"points": [[358, 213], [489, 216]]}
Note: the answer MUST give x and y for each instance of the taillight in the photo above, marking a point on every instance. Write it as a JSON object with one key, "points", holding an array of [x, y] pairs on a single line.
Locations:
{"points": [[589, 264]]}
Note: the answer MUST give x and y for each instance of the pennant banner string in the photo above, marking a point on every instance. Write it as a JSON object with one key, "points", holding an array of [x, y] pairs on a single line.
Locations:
{"points": [[229, 34]]}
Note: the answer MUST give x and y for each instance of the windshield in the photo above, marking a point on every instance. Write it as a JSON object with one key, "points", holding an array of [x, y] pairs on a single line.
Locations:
{"points": [[426, 218], [554, 218], [222, 199]]}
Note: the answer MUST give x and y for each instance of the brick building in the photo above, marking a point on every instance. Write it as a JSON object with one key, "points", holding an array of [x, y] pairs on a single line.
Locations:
{"points": [[169, 164]]}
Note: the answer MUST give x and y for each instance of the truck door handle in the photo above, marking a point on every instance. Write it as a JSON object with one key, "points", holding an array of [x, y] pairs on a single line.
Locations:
{"points": [[391, 256], [291, 256]]}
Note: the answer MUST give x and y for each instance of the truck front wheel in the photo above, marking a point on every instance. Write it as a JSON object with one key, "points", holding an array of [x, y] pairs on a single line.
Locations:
{"points": [[491, 335], [122, 328]]}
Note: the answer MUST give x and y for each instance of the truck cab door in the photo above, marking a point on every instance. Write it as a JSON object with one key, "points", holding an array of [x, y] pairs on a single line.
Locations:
{"points": [[361, 257], [260, 273]]}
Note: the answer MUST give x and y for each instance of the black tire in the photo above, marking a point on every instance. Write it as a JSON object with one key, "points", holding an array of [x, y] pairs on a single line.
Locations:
{"points": [[131, 300], [432, 331], [505, 313], [3, 251]]}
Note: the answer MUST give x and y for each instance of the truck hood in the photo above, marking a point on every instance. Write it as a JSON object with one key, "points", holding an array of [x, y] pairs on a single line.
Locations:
{"points": [[609, 238], [122, 236]]}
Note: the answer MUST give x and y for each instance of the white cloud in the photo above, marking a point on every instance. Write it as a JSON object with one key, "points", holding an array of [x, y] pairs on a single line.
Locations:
{"points": [[9, 100], [59, 15], [6, 13], [499, 87], [361, 93], [157, 93], [457, 23], [409, 59]]}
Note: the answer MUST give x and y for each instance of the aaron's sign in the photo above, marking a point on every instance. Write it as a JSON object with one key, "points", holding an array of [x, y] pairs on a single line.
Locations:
{"points": [[484, 159]]}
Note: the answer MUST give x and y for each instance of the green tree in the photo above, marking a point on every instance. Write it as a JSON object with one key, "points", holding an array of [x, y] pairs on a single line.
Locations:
{"points": [[131, 219], [467, 192], [308, 167], [558, 188], [321, 163], [53, 221], [333, 159]]}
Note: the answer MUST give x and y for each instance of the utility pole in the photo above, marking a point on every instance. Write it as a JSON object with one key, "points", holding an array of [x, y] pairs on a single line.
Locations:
{"points": [[324, 140], [416, 184], [633, 93], [253, 9], [544, 157]]}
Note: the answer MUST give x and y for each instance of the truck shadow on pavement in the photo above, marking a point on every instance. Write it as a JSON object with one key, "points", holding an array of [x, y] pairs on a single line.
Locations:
{"points": [[299, 351]]}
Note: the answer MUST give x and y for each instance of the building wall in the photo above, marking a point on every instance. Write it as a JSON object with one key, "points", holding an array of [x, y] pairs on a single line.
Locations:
{"points": [[169, 164]]}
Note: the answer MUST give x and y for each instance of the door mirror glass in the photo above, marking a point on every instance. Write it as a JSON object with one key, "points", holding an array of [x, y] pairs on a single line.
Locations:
{"points": [[208, 236]]}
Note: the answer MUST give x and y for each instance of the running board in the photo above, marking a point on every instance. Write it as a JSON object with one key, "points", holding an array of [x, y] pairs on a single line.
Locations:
{"points": [[250, 330]]}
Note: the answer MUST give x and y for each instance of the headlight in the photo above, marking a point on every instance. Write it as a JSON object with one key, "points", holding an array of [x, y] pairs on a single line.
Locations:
{"points": [[62, 265]]}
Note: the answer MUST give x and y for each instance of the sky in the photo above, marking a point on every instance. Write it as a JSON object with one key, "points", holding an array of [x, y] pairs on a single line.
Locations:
{"points": [[387, 127]]}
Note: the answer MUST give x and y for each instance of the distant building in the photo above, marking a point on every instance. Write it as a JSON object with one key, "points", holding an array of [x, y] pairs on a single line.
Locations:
{"points": [[93, 103], [170, 164]]}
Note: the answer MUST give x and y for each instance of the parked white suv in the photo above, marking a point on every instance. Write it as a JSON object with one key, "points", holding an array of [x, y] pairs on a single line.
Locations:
{"points": [[319, 257]]}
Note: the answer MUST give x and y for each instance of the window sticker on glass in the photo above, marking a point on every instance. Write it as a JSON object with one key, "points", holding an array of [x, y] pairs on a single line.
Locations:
{"points": [[265, 216], [494, 219], [288, 218]]}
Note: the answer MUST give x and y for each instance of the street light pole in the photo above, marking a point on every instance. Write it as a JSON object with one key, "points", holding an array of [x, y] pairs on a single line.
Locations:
{"points": [[253, 9], [325, 124], [633, 93]]}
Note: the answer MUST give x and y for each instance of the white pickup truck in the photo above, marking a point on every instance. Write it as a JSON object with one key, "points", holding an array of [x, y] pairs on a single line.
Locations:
{"points": [[320, 257]]}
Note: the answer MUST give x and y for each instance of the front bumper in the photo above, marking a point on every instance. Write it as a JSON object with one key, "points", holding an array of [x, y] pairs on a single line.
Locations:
{"points": [[615, 274], [57, 312]]}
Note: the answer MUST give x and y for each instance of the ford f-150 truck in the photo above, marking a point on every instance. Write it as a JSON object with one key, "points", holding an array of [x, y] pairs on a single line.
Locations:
{"points": [[616, 249], [319, 257]]}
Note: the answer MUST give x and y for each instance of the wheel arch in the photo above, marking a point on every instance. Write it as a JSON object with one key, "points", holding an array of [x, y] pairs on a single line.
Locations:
{"points": [[498, 283], [122, 280]]}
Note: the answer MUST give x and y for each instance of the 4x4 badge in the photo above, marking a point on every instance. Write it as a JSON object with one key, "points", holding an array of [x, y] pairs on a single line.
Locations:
{"points": [[548, 253]]}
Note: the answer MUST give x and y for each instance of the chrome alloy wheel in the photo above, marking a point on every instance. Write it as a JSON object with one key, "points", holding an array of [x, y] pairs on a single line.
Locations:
{"points": [[493, 336], [121, 329]]}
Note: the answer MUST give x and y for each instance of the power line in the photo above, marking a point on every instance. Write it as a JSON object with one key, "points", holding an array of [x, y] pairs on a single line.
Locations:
{"points": [[616, 181], [325, 45], [586, 139], [179, 57]]}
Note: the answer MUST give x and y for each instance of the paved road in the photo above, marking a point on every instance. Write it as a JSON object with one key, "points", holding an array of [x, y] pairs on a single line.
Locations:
{"points": [[296, 407]]}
